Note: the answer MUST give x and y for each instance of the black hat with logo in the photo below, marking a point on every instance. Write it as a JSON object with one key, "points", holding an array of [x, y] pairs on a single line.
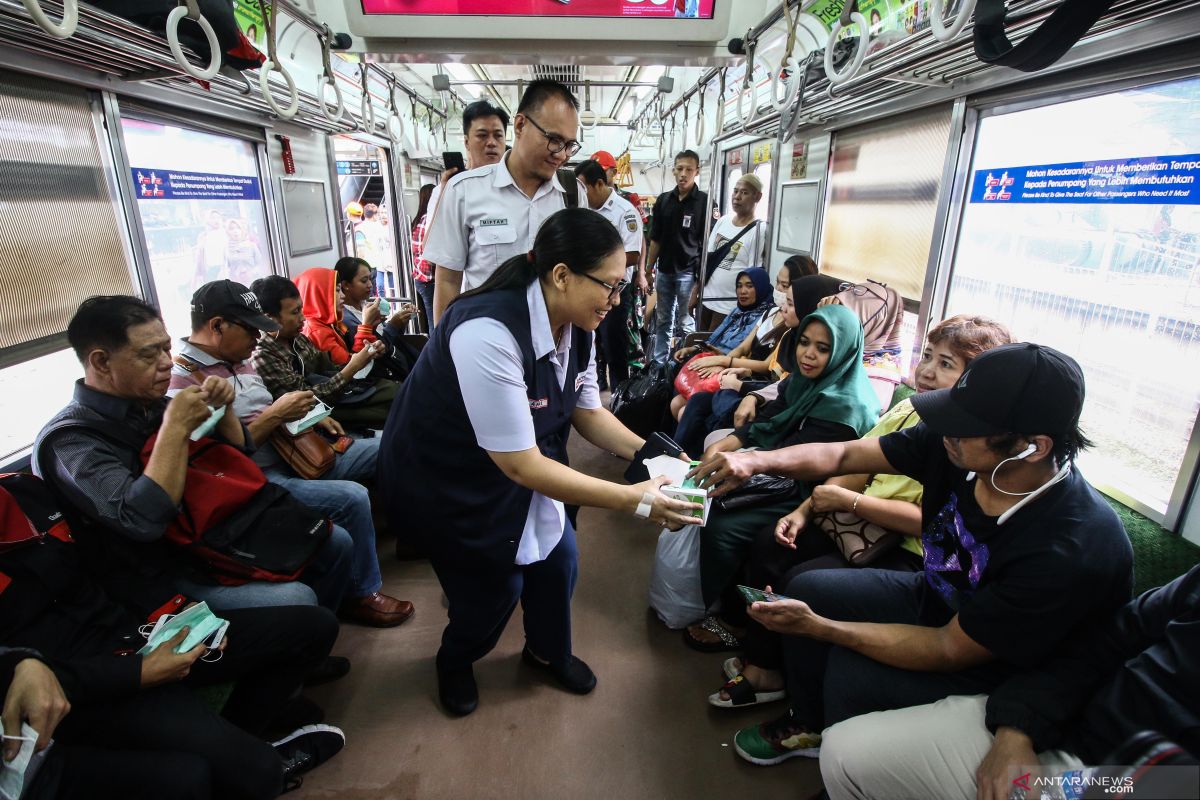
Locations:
{"points": [[1015, 388], [231, 299]]}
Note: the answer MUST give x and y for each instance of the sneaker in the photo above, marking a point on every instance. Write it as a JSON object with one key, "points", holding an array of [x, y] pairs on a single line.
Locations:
{"points": [[299, 712], [306, 748], [775, 741], [575, 677]]}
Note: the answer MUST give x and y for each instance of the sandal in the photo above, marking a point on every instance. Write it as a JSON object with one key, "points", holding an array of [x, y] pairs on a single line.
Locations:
{"points": [[741, 693], [732, 667], [711, 624]]}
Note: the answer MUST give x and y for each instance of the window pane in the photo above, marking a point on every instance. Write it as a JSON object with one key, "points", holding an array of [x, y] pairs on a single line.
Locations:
{"points": [[201, 205], [883, 192], [1065, 239], [763, 171], [25, 411]]}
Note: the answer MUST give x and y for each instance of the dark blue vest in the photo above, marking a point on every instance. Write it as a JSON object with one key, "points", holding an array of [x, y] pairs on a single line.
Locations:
{"points": [[436, 480]]}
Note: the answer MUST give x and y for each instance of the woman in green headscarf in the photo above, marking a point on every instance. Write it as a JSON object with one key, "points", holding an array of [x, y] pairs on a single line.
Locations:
{"points": [[825, 398]]}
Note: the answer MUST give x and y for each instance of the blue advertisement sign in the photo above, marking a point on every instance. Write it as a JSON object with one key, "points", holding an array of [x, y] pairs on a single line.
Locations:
{"points": [[1158, 180], [161, 184]]}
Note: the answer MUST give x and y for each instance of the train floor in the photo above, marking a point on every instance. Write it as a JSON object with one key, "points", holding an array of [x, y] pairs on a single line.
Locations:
{"points": [[645, 732]]}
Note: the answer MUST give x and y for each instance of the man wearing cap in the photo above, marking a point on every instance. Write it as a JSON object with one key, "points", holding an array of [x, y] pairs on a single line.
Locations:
{"points": [[1020, 551], [226, 322], [740, 246]]}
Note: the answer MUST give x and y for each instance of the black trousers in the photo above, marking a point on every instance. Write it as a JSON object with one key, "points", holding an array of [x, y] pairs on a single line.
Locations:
{"points": [[165, 742], [829, 684], [482, 600], [613, 338]]}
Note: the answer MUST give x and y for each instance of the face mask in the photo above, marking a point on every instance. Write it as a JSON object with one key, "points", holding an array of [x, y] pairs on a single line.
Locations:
{"points": [[319, 412], [780, 298], [385, 308], [206, 427], [200, 621], [15, 774]]}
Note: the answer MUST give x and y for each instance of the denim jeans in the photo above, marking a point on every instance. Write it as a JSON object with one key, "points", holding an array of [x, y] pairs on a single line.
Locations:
{"points": [[340, 494], [425, 292], [323, 582], [674, 291]]}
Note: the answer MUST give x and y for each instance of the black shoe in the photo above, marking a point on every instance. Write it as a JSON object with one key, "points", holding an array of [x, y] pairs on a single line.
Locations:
{"points": [[575, 677], [457, 690], [298, 713], [306, 748], [329, 670]]}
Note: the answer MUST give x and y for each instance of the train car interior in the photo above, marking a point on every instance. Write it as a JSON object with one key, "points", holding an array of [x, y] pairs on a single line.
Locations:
{"points": [[1034, 164]]}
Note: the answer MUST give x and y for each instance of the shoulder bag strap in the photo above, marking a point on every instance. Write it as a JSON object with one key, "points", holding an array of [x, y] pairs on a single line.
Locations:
{"points": [[1050, 42]]}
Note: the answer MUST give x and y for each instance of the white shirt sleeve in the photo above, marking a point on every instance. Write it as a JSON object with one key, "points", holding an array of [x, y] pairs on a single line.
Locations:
{"points": [[589, 394], [631, 238], [491, 377], [446, 241]]}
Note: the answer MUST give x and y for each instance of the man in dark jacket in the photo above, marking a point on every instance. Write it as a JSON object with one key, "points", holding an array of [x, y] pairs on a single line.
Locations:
{"points": [[1138, 671]]}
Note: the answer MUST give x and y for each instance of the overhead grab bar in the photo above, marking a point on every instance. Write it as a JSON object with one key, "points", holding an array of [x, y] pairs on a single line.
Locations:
{"points": [[367, 118], [327, 79], [787, 63], [594, 116], [700, 121], [938, 27], [191, 10], [62, 30], [850, 15], [395, 123], [273, 65], [748, 86]]}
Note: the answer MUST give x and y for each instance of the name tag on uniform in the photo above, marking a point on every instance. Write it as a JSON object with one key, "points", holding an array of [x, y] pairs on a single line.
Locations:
{"points": [[490, 222], [687, 221], [540, 403]]}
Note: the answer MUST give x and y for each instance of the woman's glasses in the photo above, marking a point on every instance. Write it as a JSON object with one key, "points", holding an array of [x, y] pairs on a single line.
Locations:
{"points": [[614, 289]]}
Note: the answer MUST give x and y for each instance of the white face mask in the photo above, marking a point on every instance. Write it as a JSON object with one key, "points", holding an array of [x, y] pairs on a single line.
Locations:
{"points": [[780, 298], [14, 775]]}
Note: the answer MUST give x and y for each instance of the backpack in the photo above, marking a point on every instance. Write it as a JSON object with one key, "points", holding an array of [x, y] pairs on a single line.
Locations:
{"points": [[238, 525], [28, 512]]}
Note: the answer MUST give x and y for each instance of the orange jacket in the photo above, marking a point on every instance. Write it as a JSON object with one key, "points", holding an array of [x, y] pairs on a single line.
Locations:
{"points": [[323, 315]]}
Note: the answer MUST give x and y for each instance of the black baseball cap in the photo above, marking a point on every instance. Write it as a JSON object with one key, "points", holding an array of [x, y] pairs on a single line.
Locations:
{"points": [[1015, 388], [231, 299]]}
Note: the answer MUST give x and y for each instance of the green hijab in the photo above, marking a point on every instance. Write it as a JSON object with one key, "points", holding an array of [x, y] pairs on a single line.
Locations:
{"points": [[841, 393]]}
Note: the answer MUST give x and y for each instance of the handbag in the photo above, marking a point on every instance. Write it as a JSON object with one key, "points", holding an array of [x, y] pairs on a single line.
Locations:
{"points": [[688, 382], [1057, 34], [307, 453], [641, 401], [760, 490], [860, 542]]}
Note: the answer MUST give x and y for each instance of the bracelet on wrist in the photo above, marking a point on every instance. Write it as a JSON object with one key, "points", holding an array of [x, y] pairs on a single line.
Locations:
{"points": [[854, 507]]}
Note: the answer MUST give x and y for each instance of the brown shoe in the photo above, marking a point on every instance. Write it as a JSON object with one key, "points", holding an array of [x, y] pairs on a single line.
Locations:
{"points": [[376, 610]]}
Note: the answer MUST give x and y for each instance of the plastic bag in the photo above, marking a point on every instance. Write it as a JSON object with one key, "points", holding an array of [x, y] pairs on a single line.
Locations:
{"points": [[675, 580], [688, 382], [640, 402]]}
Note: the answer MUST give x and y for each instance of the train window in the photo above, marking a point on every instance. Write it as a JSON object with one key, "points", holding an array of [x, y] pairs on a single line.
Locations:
{"points": [[1081, 229], [883, 189], [200, 200]]}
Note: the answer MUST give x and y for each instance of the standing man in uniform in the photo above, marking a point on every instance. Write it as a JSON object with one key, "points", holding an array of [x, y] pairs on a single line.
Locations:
{"points": [[484, 129], [616, 209], [676, 236], [489, 214]]}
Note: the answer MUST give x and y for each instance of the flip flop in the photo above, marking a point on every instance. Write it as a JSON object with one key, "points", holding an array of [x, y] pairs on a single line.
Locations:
{"points": [[732, 667], [711, 624], [741, 693]]}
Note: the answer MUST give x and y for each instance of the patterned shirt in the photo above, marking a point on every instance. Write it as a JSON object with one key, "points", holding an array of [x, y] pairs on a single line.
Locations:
{"points": [[283, 369], [421, 270]]}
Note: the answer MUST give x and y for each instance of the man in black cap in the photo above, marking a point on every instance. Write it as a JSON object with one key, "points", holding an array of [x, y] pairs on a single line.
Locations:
{"points": [[1019, 552]]}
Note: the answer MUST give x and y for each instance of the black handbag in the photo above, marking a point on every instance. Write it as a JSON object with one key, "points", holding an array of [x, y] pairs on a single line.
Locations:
{"points": [[641, 402], [760, 490], [1057, 34]]}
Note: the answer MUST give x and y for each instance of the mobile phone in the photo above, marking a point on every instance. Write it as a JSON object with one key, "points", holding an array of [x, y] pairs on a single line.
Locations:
{"points": [[758, 595], [454, 161], [341, 444]]}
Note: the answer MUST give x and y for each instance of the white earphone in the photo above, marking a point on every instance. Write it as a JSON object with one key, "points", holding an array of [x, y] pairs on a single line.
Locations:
{"points": [[1028, 451]]}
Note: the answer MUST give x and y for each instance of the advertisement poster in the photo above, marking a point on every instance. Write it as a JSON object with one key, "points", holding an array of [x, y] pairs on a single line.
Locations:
{"points": [[889, 20], [170, 185], [799, 161], [1173, 180], [250, 21], [655, 9], [761, 153]]}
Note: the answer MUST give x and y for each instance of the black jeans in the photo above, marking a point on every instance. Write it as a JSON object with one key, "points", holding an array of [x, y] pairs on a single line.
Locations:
{"points": [[613, 338], [270, 652], [829, 684], [772, 564]]}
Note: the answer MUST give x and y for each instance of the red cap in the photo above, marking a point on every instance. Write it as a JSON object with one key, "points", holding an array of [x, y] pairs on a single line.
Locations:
{"points": [[605, 159]]}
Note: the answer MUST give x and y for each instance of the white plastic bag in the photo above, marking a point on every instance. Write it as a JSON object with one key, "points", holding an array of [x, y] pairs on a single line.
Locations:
{"points": [[675, 580]]}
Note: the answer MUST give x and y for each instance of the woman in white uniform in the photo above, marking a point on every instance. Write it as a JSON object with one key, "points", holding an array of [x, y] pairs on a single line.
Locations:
{"points": [[474, 453]]}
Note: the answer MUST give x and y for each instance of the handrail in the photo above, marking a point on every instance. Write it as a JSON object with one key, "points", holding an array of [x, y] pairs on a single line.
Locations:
{"points": [[587, 106], [64, 29], [273, 64], [395, 123], [938, 27], [191, 10], [860, 49], [366, 120]]}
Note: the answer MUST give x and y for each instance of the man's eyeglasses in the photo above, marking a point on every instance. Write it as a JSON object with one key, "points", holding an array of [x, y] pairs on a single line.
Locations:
{"points": [[614, 289], [555, 143], [247, 327]]}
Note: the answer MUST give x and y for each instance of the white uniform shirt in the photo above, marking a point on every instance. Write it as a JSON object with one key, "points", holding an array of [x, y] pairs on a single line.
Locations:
{"points": [[628, 222], [483, 219], [491, 377], [746, 252]]}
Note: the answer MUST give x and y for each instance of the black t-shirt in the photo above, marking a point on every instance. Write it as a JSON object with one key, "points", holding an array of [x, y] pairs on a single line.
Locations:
{"points": [[678, 227], [1018, 588]]}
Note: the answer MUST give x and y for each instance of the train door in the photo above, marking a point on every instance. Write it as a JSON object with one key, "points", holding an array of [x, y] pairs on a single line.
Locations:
{"points": [[200, 208], [368, 212]]}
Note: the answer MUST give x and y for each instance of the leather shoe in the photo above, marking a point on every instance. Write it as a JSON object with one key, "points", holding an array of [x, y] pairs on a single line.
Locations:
{"points": [[376, 610], [457, 690], [330, 669], [575, 677]]}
